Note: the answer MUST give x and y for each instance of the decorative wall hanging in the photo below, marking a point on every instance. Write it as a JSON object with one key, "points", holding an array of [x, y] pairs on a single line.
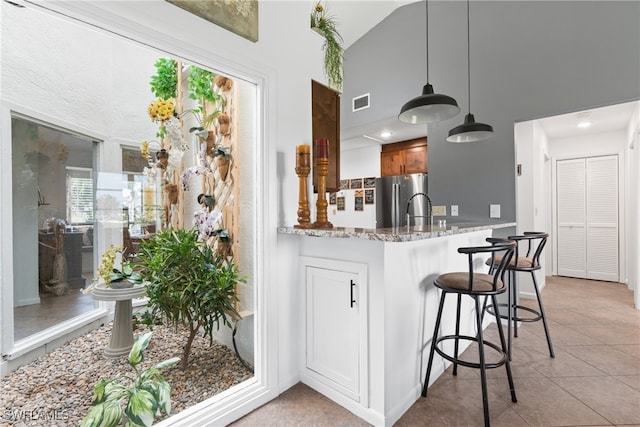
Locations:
{"points": [[358, 203], [237, 16], [369, 182], [369, 198]]}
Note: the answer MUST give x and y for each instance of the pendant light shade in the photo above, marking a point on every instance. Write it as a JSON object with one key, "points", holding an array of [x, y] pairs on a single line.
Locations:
{"points": [[429, 107], [469, 131]]}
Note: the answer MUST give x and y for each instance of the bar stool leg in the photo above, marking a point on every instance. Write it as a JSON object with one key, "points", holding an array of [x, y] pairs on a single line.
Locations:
{"points": [[503, 344], [483, 373], [433, 345], [514, 296], [455, 346], [509, 313], [544, 318]]}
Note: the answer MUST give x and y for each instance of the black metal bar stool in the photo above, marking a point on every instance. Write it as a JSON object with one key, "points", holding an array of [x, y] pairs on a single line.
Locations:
{"points": [[475, 285], [528, 263]]}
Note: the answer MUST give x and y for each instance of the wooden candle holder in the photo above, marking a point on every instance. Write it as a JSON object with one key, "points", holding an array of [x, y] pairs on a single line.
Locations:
{"points": [[303, 168], [322, 164]]}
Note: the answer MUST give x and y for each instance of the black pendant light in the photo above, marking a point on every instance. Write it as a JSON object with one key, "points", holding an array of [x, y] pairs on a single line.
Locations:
{"points": [[429, 107], [469, 131]]}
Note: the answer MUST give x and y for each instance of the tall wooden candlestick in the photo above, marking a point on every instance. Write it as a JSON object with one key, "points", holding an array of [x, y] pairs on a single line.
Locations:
{"points": [[322, 164], [303, 167]]}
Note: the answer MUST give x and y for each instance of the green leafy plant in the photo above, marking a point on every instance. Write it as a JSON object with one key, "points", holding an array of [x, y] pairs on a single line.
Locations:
{"points": [[188, 283], [140, 402], [201, 89], [325, 25], [146, 318], [165, 82]]}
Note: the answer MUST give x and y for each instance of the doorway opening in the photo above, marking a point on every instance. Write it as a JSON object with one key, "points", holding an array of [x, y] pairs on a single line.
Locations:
{"points": [[544, 147]]}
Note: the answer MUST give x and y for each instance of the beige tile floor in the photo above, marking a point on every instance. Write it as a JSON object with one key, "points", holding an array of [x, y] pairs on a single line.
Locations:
{"points": [[594, 380]]}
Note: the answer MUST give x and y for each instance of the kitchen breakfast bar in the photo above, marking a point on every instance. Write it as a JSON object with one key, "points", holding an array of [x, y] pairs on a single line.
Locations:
{"points": [[368, 309]]}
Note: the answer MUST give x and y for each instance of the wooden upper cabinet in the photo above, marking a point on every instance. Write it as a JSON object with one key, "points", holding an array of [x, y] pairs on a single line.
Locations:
{"points": [[325, 120], [391, 163], [404, 157]]}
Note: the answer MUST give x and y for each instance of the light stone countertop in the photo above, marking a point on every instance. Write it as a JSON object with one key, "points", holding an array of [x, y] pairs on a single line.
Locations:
{"points": [[400, 234]]}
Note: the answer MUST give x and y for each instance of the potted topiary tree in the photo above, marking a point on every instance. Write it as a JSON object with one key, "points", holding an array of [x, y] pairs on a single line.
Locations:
{"points": [[188, 283]]}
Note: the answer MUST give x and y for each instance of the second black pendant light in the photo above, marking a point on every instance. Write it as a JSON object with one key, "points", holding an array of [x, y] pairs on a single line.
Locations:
{"points": [[429, 107], [470, 130]]}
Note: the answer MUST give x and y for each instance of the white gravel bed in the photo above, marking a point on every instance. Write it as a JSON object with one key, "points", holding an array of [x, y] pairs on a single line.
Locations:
{"points": [[56, 389]]}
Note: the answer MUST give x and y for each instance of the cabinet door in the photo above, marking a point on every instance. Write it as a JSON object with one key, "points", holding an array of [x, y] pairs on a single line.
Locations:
{"points": [[392, 163], [332, 328], [415, 160]]}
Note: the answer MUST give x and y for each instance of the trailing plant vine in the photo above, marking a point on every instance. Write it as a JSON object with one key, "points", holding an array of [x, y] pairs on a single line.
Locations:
{"points": [[325, 25]]}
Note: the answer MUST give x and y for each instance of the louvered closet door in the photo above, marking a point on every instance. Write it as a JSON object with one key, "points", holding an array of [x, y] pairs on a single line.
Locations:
{"points": [[571, 207], [587, 218], [602, 218]]}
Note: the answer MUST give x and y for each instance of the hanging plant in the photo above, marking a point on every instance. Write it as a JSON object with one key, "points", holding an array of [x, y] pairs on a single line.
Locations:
{"points": [[164, 83], [201, 89], [325, 25]]}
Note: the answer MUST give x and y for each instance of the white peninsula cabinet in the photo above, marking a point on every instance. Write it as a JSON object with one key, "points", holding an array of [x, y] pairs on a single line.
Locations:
{"points": [[367, 309], [335, 314]]}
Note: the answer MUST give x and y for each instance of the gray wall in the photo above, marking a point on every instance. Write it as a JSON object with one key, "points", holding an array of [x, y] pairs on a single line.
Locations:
{"points": [[528, 60]]}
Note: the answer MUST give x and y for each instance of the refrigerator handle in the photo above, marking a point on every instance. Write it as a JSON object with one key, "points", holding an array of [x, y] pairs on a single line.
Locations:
{"points": [[393, 205]]}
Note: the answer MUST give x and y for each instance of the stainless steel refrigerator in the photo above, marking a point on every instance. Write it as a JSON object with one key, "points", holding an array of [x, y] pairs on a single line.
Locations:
{"points": [[395, 193]]}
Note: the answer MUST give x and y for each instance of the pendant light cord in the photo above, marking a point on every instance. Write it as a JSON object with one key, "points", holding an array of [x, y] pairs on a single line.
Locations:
{"points": [[468, 59], [426, 7]]}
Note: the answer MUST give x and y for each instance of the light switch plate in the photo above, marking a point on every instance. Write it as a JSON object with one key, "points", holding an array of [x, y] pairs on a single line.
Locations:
{"points": [[494, 211], [454, 210], [439, 210]]}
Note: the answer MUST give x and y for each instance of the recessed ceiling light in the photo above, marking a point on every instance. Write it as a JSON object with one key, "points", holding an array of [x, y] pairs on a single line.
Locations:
{"points": [[385, 134], [583, 119]]}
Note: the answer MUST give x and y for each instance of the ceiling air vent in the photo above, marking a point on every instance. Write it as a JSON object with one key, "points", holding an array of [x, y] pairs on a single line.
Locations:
{"points": [[360, 102]]}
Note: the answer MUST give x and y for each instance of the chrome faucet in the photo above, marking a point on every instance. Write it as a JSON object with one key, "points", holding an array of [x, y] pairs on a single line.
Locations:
{"points": [[429, 212]]}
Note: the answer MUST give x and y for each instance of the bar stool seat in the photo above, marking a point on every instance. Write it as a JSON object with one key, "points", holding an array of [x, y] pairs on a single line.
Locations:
{"points": [[528, 263], [475, 285]]}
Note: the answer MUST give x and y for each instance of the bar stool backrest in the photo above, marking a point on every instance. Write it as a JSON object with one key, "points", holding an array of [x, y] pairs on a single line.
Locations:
{"points": [[500, 249], [535, 244]]}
